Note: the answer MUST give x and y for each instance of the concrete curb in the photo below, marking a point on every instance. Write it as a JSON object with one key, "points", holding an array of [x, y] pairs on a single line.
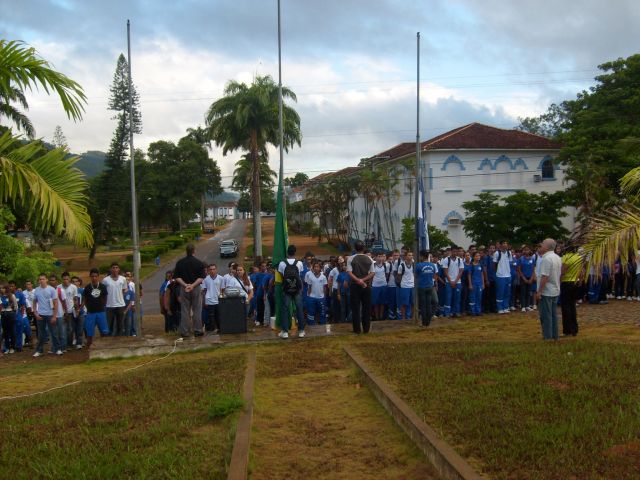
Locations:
{"points": [[239, 465], [448, 463]]}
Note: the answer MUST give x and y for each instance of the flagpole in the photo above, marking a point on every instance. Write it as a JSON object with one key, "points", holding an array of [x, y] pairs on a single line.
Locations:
{"points": [[134, 203], [418, 176], [281, 172]]}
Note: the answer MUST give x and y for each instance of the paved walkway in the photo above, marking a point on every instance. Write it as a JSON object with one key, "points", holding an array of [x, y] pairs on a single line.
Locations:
{"points": [[206, 251]]}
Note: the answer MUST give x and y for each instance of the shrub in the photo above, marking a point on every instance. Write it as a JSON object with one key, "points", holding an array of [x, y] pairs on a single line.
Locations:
{"points": [[223, 404]]}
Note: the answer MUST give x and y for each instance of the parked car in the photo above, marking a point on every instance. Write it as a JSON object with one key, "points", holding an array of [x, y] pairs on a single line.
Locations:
{"points": [[228, 248]]}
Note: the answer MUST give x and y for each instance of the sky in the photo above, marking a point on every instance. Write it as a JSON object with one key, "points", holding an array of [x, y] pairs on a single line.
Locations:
{"points": [[352, 64]]}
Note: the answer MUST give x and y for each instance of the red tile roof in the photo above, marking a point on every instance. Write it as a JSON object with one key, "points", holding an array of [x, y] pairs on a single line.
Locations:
{"points": [[475, 136]]}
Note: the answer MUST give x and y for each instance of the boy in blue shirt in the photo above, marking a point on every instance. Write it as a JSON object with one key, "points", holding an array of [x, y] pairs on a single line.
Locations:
{"points": [[344, 296], [426, 276], [527, 274], [489, 298]]}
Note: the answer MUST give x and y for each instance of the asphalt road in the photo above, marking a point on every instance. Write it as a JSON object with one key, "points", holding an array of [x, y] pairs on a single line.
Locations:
{"points": [[206, 251]]}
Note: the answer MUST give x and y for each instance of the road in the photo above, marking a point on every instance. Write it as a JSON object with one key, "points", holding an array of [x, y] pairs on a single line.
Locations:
{"points": [[206, 251]]}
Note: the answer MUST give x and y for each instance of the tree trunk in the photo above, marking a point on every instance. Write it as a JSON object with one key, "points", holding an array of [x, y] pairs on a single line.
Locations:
{"points": [[255, 187], [202, 213]]}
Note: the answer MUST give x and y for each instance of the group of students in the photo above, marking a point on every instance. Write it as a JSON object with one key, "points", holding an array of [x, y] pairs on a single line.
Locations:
{"points": [[66, 314]]}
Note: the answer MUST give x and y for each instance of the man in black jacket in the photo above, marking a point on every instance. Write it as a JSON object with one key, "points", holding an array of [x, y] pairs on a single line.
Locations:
{"points": [[189, 274]]}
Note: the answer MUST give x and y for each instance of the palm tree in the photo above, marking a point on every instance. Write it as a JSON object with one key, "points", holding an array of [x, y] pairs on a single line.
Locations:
{"points": [[617, 229], [44, 182], [12, 94], [243, 173], [246, 118]]}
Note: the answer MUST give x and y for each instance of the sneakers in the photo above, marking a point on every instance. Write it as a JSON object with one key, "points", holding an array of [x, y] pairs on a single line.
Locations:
{"points": [[11, 350], [513, 309], [284, 334], [500, 312], [301, 334], [59, 352], [37, 354], [535, 307], [328, 328], [79, 347], [523, 310], [256, 323], [629, 298]]}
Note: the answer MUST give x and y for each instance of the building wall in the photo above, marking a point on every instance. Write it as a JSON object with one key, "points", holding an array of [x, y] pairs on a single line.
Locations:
{"points": [[457, 177], [227, 212]]}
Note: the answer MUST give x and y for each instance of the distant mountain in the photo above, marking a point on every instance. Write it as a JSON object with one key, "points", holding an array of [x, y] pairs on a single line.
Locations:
{"points": [[225, 196], [91, 163]]}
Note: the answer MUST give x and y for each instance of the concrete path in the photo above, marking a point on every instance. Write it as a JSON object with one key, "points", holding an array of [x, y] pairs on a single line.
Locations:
{"points": [[206, 251]]}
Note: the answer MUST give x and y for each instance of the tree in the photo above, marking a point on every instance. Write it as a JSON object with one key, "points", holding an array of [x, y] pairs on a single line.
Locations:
{"points": [[21, 68], [297, 180], [521, 218], [59, 140], [243, 174], [246, 118], [44, 183], [616, 231], [591, 128], [329, 201], [111, 193]]}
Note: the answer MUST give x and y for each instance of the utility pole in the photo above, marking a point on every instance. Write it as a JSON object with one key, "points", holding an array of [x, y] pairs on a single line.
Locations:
{"points": [[134, 203], [418, 176]]}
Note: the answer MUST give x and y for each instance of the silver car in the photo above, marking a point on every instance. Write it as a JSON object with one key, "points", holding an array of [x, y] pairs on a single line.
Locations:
{"points": [[228, 248]]}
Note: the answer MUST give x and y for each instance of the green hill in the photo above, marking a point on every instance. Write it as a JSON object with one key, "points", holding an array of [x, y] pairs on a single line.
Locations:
{"points": [[91, 163]]}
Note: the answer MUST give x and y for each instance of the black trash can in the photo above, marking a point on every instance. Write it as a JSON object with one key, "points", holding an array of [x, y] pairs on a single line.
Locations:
{"points": [[233, 315]]}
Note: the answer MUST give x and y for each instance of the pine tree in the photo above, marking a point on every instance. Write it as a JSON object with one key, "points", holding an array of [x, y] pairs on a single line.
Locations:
{"points": [[59, 140]]}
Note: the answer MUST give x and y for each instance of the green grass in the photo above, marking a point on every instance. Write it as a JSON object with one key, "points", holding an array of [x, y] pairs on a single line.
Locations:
{"points": [[150, 423], [525, 410], [224, 404]]}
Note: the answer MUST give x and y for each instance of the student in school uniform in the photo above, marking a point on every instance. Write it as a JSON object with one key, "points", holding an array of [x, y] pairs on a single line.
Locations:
{"points": [[502, 265], [211, 288], [307, 266], [489, 297], [392, 302], [317, 288], [379, 287], [405, 277], [344, 280], [477, 281], [332, 287], [426, 276], [453, 267], [515, 281], [527, 275], [465, 296]]}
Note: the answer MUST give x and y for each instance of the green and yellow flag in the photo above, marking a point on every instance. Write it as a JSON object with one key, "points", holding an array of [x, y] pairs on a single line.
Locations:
{"points": [[280, 243]]}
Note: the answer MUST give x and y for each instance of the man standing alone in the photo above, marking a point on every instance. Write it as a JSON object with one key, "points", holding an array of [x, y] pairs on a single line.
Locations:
{"points": [[549, 289], [189, 273], [360, 269]]}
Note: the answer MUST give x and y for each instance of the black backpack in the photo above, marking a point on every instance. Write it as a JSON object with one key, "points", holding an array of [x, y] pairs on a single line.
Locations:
{"points": [[291, 283]]}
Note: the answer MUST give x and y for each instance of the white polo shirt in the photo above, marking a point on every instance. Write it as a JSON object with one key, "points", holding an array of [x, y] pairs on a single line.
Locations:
{"points": [[316, 284], [115, 297], [454, 266], [379, 275], [213, 287], [503, 268]]}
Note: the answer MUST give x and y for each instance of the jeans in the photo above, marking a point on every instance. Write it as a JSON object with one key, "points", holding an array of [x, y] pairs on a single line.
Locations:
{"points": [[9, 330], [61, 332], [78, 328], [68, 329], [392, 303], [360, 307], [549, 317], [286, 315], [568, 297], [115, 320], [56, 339], [424, 301], [525, 294], [476, 299], [503, 293], [212, 320], [345, 306], [42, 325], [452, 299]]}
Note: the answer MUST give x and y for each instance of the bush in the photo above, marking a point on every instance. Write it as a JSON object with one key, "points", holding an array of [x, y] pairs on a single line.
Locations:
{"points": [[223, 404], [30, 266]]}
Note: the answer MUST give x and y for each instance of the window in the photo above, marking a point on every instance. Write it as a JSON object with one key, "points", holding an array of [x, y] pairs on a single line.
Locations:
{"points": [[547, 169]]}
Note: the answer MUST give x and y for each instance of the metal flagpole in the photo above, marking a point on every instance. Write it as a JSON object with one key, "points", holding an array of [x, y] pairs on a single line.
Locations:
{"points": [[134, 203], [418, 175], [280, 126]]}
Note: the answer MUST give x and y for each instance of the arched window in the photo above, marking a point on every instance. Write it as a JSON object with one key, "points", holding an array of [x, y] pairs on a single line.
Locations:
{"points": [[452, 159], [547, 169]]}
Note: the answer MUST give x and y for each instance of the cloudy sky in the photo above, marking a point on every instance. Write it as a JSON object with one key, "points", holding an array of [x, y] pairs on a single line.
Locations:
{"points": [[352, 63]]}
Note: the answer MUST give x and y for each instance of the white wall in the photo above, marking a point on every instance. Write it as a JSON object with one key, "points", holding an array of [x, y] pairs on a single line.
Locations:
{"points": [[457, 178]]}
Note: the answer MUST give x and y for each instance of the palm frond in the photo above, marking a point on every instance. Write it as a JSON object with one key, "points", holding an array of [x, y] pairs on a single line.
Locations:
{"points": [[18, 118], [615, 232], [49, 185], [21, 67]]}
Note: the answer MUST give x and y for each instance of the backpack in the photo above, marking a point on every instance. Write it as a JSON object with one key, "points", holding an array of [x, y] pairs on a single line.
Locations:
{"points": [[399, 274], [291, 283]]}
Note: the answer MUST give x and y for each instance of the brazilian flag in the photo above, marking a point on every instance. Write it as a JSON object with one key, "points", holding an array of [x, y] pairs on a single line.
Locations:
{"points": [[280, 243]]}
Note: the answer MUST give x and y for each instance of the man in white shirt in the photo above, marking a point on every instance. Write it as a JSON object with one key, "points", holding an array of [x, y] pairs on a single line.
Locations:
{"points": [[390, 292], [116, 288], [549, 289], [453, 267], [379, 286], [71, 305], [405, 273], [502, 264], [212, 286], [333, 290]]}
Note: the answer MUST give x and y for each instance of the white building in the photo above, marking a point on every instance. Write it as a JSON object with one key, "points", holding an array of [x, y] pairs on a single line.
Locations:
{"points": [[461, 163]]}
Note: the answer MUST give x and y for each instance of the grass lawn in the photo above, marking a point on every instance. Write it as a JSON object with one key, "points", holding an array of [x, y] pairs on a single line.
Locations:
{"points": [[155, 422], [527, 410], [313, 418]]}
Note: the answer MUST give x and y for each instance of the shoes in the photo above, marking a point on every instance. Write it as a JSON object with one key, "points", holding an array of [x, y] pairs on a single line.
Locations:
{"points": [[513, 309], [37, 354], [629, 298], [524, 309], [301, 334], [283, 334], [328, 328], [59, 352], [198, 334], [215, 331], [256, 323], [79, 347], [535, 307], [11, 350]]}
